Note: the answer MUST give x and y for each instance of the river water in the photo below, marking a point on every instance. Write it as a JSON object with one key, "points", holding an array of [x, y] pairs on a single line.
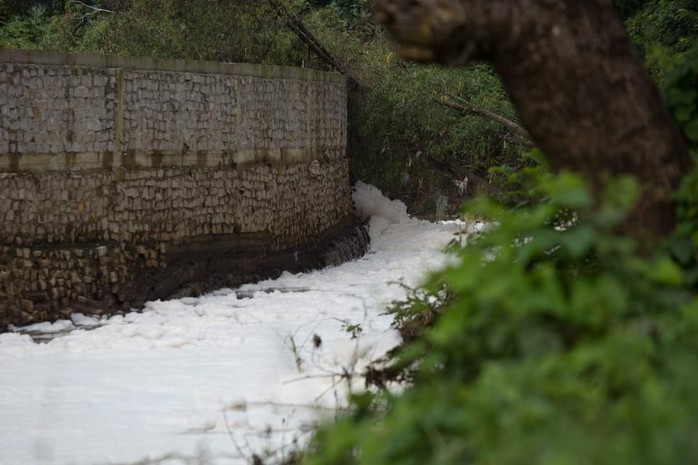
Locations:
{"points": [[214, 379]]}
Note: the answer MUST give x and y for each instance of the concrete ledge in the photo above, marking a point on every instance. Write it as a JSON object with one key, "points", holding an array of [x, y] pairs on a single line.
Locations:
{"points": [[72, 162], [42, 57]]}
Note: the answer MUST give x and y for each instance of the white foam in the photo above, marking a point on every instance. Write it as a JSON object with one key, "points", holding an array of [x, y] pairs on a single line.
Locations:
{"points": [[165, 380], [370, 201]]}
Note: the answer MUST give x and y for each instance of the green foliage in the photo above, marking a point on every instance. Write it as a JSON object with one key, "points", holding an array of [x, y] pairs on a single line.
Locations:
{"points": [[9, 9], [353, 329], [242, 31], [400, 137], [411, 143], [554, 342], [520, 184], [353, 11], [402, 110], [628, 8], [664, 28], [25, 31], [681, 95]]}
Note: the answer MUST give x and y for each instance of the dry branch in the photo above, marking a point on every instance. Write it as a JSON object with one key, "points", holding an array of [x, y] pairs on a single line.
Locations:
{"points": [[460, 105], [94, 9], [297, 26]]}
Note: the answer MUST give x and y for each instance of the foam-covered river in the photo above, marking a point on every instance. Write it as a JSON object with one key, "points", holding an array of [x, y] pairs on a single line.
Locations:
{"points": [[216, 378]]}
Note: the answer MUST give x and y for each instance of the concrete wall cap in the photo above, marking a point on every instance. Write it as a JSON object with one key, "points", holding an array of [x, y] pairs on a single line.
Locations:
{"points": [[43, 57]]}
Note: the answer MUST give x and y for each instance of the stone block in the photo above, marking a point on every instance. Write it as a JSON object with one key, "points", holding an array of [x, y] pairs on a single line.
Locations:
{"points": [[185, 112]]}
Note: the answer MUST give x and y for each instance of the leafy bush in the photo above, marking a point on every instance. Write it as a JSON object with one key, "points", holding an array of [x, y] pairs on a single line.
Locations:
{"points": [[681, 94], [664, 28], [10, 8], [628, 8], [242, 31], [554, 343], [25, 31], [400, 137], [401, 118]]}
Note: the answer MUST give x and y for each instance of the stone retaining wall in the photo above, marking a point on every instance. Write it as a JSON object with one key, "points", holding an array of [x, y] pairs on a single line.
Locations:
{"points": [[125, 179]]}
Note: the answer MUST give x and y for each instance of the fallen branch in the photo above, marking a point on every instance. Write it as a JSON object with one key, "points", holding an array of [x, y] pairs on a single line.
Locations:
{"points": [[297, 26], [94, 9], [460, 105]]}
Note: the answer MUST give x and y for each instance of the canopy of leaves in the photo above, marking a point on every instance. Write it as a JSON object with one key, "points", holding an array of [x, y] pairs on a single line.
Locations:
{"points": [[662, 29], [11, 8]]}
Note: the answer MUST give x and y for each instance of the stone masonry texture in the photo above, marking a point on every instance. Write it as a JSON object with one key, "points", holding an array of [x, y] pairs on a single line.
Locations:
{"points": [[125, 179]]}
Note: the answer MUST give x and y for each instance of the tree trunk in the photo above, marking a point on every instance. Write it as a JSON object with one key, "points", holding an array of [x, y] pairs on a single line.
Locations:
{"points": [[581, 91]]}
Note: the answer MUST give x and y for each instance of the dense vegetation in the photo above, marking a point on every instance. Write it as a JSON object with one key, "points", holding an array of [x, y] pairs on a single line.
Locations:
{"points": [[550, 339]]}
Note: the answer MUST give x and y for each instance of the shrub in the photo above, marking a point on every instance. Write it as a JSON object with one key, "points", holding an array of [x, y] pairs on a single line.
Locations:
{"points": [[554, 343], [682, 98], [664, 28], [25, 31], [550, 340]]}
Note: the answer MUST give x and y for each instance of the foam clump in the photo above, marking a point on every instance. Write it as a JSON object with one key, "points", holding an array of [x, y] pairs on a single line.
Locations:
{"points": [[369, 201]]}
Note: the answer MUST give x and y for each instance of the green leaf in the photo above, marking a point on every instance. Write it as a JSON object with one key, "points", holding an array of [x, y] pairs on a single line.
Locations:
{"points": [[691, 130], [684, 113], [579, 240], [567, 191], [682, 250], [573, 198], [666, 272]]}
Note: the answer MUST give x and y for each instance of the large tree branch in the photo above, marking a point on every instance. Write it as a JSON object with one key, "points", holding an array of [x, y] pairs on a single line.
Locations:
{"points": [[579, 87], [462, 106], [297, 26], [94, 9]]}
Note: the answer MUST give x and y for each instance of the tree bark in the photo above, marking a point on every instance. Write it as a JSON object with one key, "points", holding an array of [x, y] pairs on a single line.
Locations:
{"points": [[581, 91]]}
